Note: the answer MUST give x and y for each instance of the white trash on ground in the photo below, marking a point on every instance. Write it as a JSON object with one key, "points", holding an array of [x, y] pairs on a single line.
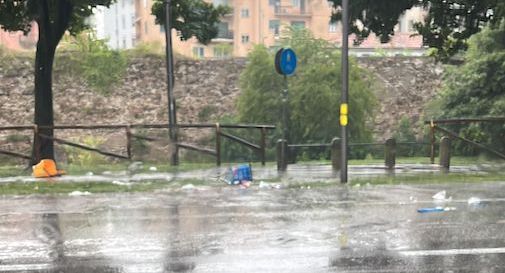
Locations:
{"points": [[79, 193], [264, 185], [441, 196], [474, 201], [153, 168], [188, 187], [121, 183]]}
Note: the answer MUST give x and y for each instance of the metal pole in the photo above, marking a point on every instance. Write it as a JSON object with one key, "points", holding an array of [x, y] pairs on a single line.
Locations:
{"points": [[172, 120], [285, 109], [345, 89]]}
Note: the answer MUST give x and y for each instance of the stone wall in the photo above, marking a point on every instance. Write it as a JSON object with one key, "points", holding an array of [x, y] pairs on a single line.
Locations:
{"points": [[407, 84], [205, 91]]}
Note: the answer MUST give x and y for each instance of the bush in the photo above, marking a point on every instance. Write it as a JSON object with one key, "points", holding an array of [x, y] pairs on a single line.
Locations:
{"points": [[475, 89], [89, 57], [314, 93], [82, 157]]}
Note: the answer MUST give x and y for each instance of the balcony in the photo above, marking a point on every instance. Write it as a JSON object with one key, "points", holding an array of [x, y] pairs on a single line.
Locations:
{"points": [[224, 36], [290, 11]]}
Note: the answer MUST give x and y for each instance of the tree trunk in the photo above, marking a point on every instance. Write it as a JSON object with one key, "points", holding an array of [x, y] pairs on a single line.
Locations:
{"points": [[52, 20], [43, 148]]}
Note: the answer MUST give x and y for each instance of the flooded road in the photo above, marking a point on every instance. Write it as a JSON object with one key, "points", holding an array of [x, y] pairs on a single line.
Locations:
{"points": [[228, 229]]}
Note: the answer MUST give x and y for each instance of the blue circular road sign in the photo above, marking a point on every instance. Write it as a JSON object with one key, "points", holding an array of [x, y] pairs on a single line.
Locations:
{"points": [[285, 61]]}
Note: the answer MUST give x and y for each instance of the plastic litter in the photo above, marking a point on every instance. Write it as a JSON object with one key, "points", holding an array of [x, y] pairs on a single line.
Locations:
{"points": [[264, 185], [188, 187], [241, 174], [79, 193], [435, 209], [46, 168], [153, 169], [89, 174], [474, 201], [441, 197], [120, 183]]}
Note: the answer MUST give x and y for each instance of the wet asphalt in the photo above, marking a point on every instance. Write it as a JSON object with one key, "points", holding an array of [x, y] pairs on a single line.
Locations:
{"points": [[229, 229]]}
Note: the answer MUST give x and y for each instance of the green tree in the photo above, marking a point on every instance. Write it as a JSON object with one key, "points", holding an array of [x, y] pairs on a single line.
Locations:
{"points": [[447, 26], [314, 92], [55, 17], [475, 89]]}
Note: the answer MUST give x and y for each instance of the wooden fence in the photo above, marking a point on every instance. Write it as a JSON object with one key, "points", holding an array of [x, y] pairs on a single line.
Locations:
{"points": [[216, 151]]}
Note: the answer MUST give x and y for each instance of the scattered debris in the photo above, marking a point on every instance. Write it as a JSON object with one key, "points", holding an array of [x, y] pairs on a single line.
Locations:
{"points": [[240, 175], [153, 169], [474, 201], [79, 193], [188, 187], [412, 199], [435, 209], [121, 183], [89, 174], [264, 185], [106, 173], [441, 197]]}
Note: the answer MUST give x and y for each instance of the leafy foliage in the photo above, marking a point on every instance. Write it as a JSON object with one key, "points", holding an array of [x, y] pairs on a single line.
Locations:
{"points": [[314, 92], [90, 58], [447, 26], [475, 89], [191, 18]]}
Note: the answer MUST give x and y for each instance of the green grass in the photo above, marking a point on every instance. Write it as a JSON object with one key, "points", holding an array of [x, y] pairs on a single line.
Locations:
{"points": [[430, 178], [51, 187], [57, 188]]}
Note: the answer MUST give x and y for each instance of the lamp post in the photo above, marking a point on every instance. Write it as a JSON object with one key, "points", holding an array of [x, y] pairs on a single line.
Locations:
{"points": [[344, 109], [172, 120]]}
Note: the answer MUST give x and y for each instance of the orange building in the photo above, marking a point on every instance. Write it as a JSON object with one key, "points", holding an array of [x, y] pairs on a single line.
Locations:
{"points": [[17, 41], [261, 22]]}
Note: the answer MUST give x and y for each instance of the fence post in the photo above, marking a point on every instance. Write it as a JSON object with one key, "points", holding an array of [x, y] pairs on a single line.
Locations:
{"points": [[128, 142], [263, 145], [282, 147], [390, 153], [445, 152], [335, 154], [432, 136], [218, 144]]}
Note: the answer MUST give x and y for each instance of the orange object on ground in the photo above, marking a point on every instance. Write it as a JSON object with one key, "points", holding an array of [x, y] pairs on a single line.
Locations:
{"points": [[46, 168]]}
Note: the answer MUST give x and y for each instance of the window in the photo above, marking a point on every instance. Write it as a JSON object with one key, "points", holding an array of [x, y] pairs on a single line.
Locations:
{"points": [[162, 28], [145, 28], [332, 27], [221, 53], [123, 22], [244, 13], [198, 52], [295, 3], [245, 39], [124, 43], [298, 24], [274, 25]]}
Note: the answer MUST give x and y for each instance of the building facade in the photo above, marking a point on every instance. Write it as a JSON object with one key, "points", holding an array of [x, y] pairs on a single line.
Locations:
{"points": [[262, 22], [116, 24], [18, 41]]}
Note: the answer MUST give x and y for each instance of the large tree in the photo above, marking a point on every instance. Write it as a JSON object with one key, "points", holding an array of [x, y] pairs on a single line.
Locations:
{"points": [[447, 25], [55, 17]]}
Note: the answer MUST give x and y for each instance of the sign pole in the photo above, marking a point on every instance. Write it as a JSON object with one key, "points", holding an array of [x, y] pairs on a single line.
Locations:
{"points": [[172, 120], [345, 90], [285, 109]]}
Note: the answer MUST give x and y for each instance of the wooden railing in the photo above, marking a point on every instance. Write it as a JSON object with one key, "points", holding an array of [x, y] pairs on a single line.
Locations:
{"points": [[216, 152]]}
